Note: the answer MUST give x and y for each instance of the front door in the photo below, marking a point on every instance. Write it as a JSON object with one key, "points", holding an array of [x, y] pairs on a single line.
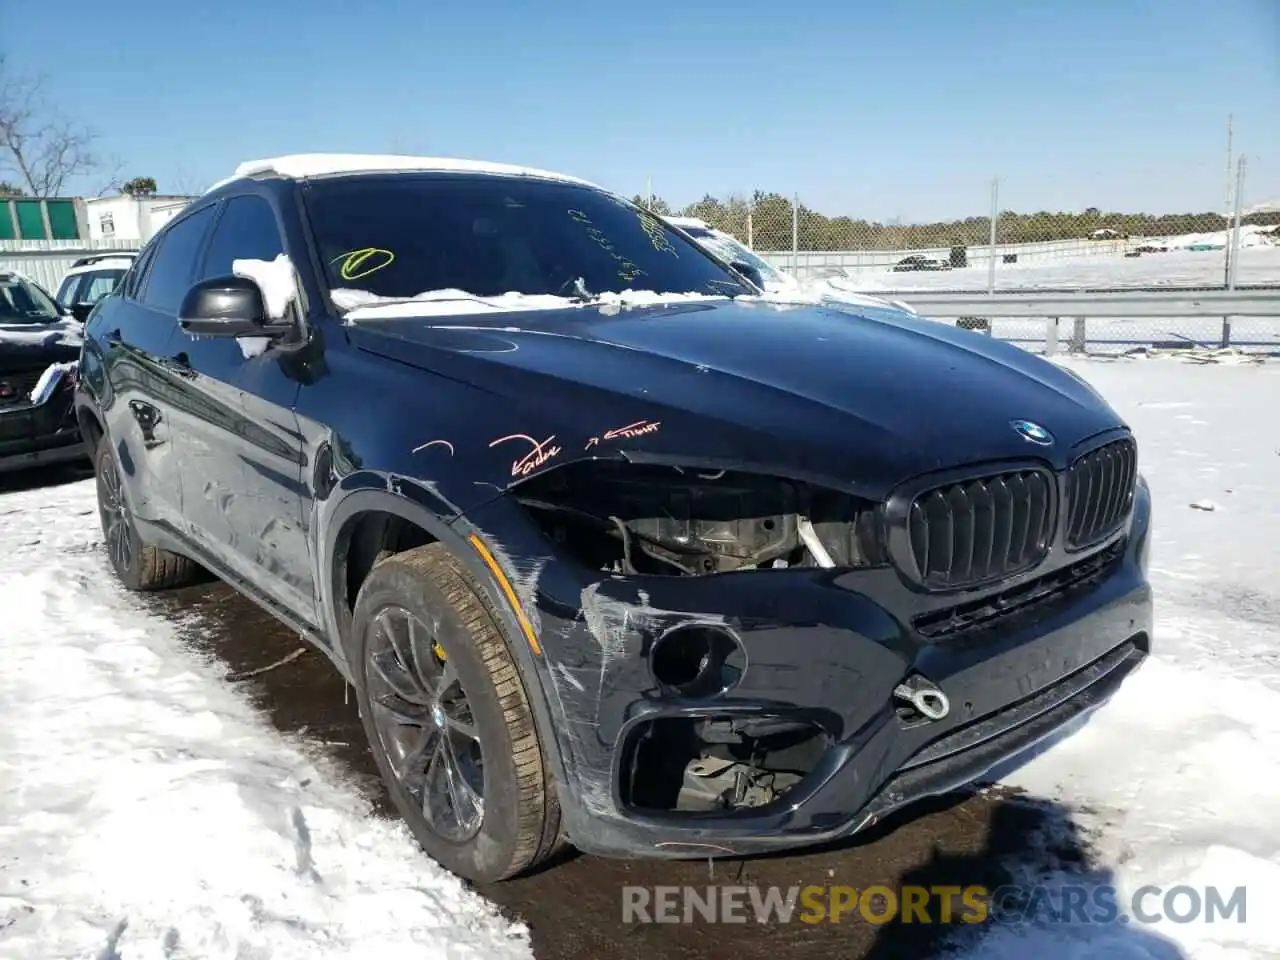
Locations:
{"points": [[242, 449]]}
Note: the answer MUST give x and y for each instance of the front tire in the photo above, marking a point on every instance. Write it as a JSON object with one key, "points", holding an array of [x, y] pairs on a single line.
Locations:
{"points": [[139, 565], [448, 717]]}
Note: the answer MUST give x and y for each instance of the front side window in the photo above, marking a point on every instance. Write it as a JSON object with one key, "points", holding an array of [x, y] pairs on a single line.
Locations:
{"points": [[173, 265], [246, 231], [23, 302], [403, 235]]}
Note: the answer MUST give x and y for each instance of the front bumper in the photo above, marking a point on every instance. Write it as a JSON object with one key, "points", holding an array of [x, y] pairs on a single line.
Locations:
{"points": [[42, 431], [815, 648]]}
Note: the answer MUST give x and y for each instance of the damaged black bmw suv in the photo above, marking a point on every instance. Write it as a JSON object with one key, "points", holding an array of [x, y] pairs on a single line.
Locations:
{"points": [[616, 549]]}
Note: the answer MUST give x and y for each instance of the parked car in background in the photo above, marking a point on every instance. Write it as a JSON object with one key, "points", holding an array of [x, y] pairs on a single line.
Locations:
{"points": [[615, 549], [828, 283], [39, 347], [920, 262], [90, 279]]}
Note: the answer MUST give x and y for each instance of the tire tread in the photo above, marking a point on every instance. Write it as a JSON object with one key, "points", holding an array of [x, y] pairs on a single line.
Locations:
{"points": [[538, 832]]}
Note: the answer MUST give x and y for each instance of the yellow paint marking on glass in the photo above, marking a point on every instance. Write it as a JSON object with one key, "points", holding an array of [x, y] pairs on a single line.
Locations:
{"points": [[627, 269], [657, 236], [355, 262]]}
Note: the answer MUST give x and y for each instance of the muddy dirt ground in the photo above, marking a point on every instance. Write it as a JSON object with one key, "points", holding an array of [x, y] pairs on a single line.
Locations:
{"points": [[574, 907]]}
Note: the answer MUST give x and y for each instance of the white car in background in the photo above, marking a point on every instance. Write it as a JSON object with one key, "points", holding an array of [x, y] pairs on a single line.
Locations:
{"points": [[776, 282], [90, 279]]}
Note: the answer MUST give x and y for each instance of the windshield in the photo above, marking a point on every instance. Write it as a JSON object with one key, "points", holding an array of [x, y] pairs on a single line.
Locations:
{"points": [[23, 302], [728, 248], [405, 235]]}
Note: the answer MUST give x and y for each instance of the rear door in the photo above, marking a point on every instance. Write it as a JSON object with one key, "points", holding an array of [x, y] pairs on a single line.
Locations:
{"points": [[145, 390], [244, 454]]}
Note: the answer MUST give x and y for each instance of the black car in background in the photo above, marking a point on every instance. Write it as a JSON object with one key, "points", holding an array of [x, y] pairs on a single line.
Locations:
{"points": [[614, 548], [39, 348], [920, 262]]}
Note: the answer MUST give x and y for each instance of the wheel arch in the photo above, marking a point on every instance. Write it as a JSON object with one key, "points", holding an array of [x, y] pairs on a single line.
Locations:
{"points": [[91, 429], [361, 513]]}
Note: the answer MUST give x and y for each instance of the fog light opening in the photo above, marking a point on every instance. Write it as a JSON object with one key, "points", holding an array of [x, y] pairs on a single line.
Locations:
{"points": [[697, 661], [721, 763]]}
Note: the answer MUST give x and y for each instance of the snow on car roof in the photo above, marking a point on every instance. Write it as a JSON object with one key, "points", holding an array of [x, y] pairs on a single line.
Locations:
{"points": [[301, 166]]}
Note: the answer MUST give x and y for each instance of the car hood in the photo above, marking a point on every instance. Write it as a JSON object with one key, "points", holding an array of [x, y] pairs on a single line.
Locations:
{"points": [[858, 395], [27, 345]]}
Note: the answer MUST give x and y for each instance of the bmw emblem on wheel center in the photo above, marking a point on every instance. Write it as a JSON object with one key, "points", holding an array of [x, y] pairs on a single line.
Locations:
{"points": [[1032, 431]]}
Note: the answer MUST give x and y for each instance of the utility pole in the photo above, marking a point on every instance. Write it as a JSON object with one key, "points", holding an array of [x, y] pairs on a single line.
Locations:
{"points": [[1226, 263], [995, 219]]}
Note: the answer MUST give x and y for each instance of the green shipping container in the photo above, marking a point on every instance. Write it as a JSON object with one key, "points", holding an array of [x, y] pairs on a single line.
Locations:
{"points": [[7, 231], [31, 219], [62, 220]]}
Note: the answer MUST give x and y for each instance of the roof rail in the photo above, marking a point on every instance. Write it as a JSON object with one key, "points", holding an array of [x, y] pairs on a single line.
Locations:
{"points": [[95, 258]]}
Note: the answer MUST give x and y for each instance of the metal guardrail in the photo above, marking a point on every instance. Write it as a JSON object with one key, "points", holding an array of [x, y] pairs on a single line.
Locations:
{"points": [[1102, 304]]}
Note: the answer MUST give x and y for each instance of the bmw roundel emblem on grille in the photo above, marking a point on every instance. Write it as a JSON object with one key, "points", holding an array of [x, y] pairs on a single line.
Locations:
{"points": [[1033, 432]]}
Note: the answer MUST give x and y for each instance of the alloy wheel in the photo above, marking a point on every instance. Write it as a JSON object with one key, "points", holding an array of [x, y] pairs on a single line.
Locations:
{"points": [[425, 724], [117, 524]]}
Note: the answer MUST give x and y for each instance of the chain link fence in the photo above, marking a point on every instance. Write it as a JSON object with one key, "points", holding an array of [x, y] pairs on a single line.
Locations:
{"points": [[1010, 250]]}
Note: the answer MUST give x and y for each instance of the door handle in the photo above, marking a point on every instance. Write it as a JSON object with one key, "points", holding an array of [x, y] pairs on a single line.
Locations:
{"points": [[113, 335], [179, 364]]}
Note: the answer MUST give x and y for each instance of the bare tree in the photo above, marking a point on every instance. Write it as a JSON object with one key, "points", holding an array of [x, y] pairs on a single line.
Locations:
{"points": [[38, 144], [113, 181]]}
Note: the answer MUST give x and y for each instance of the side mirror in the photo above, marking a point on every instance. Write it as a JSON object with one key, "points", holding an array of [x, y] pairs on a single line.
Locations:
{"points": [[750, 272], [81, 311], [225, 307]]}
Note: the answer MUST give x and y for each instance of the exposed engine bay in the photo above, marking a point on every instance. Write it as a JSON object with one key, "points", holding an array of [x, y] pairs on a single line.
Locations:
{"points": [[636, 519]]}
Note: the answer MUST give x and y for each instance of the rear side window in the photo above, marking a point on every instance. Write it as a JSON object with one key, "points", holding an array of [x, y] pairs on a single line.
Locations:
{"points": [[173, 265], [246, 231]]}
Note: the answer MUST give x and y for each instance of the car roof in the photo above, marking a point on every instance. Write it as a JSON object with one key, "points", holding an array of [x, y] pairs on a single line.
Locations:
{"points": [[304, 166], [115, 261]]}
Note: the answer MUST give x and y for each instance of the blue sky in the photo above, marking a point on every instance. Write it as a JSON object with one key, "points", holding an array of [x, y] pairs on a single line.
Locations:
{"points": [[873, 109]]}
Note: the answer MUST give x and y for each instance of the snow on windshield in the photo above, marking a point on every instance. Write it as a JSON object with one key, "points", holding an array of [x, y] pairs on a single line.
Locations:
{"points": [[360, 304]]}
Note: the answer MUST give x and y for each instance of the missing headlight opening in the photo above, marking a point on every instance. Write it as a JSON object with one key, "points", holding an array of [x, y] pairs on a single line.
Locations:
{"points": [[639, 519]]}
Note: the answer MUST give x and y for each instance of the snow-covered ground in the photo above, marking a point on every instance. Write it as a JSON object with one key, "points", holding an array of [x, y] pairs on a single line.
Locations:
{"points": [[1177, 780], [1259, 265], [148, 811], [1177, 268]]}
